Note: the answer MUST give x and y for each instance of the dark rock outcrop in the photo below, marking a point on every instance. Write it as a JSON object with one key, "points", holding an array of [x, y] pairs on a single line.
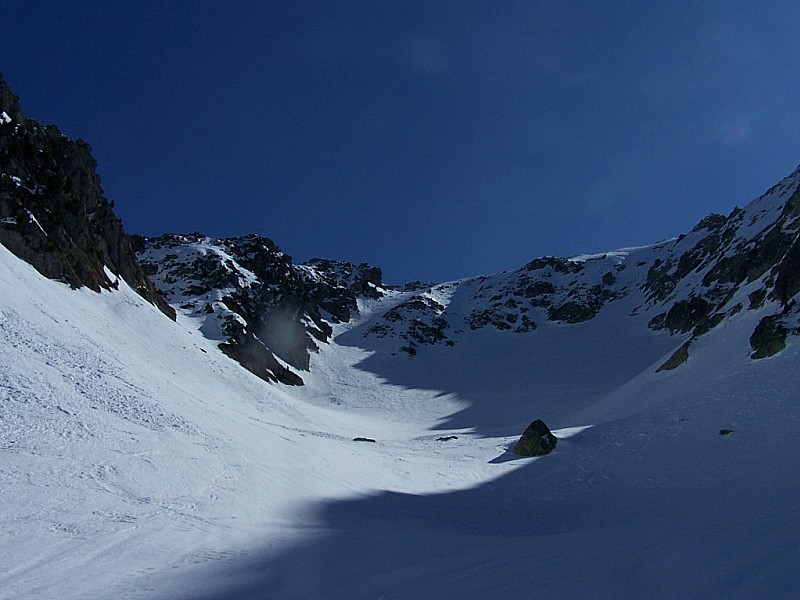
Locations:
{"points": [[254, 356], [754, 252], [264, 308], [421, 320], [680, 356], [769, 337], [53, 213], [536, 440]]}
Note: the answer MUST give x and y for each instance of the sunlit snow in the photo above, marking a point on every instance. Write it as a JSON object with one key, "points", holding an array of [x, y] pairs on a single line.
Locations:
{"points": [[137, 461]]}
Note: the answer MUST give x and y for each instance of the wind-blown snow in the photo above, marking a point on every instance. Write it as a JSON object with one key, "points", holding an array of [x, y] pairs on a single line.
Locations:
{"points": [[136, 461]]}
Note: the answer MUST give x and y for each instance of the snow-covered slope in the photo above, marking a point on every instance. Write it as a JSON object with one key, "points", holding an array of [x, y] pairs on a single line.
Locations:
{"points": [[139, 461], [134, 451], [561, 334]]}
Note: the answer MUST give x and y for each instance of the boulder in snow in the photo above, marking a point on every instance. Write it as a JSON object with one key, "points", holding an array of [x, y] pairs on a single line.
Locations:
{"points": [[537, 440]]}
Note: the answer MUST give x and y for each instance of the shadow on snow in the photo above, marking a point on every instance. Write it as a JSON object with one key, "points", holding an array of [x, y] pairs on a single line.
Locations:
{"points": [[591, 520]]}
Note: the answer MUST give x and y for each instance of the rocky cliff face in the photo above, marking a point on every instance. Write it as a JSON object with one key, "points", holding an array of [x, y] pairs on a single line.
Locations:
{"points": [[53, 213], [266, 312], [747, 261]]}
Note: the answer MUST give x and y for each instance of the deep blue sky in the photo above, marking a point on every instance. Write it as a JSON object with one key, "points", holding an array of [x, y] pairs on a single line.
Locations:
{"points": [[435, 139]]}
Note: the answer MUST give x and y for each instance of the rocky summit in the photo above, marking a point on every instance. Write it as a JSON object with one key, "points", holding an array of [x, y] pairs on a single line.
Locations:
{"points": [[267, 313]]}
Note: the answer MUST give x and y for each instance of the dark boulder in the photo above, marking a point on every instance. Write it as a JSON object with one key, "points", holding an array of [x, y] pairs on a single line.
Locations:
{"points": [[680, 356], [769, 337], [537, 440], [572, 312]]}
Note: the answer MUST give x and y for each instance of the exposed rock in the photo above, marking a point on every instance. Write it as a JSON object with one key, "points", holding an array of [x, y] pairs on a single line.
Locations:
{"points": [[680, 356], [787, 275], [254, 356], [572, 312], [264, 307], [714, 221], [53, 213], [721, 256], [9, 103], [686, 314], [559, 265], [692, 284], [281, 331], [364, 439], [537, 440], [417, 285], [422, 323], [363, 279], [769, 337]]}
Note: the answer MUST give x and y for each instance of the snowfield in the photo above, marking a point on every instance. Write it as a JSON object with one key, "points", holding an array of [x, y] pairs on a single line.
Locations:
{"points": [[133, 449], [137, 461]]}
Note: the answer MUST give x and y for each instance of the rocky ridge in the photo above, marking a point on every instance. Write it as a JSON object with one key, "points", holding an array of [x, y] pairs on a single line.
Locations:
{"points": [[53, 213], [747, 261], [687, 286], [267, 313]]}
